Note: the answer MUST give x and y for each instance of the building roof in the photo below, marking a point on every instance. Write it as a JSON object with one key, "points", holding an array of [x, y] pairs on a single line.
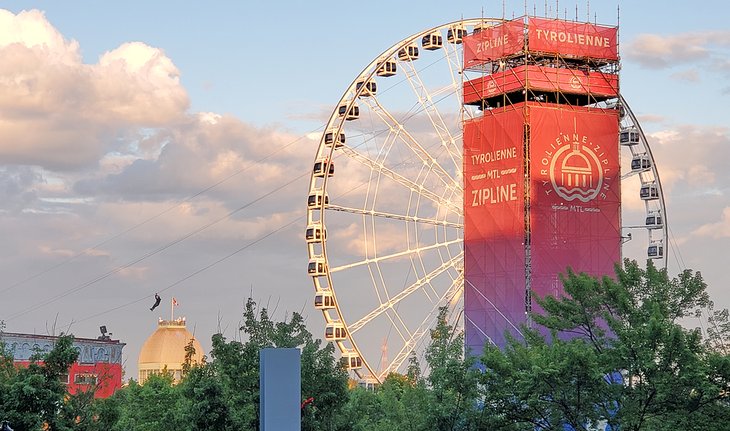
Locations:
{"points": [[91, 350], [166, 346]]}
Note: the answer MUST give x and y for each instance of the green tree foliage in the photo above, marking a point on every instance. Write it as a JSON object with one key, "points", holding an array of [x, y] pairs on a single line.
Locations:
{"points": [[452, 378], [34, 395], [632, 365], [155, 405], [237, 365], [204, 404], [611, 351], [445, 400]]}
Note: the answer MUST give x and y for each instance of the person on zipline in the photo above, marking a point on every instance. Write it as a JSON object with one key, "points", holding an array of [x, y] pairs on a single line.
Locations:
{"points": [[157, 302]]}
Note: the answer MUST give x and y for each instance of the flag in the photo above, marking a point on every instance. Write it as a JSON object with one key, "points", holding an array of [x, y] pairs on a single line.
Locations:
{"points": [[174, 301]]}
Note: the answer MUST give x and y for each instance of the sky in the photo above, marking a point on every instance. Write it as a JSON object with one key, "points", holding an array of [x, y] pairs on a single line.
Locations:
{"points": [[164, 146]]}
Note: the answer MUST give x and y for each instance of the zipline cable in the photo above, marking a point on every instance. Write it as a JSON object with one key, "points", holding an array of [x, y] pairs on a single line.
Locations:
{"points": [[151, 253], [149, 219]]}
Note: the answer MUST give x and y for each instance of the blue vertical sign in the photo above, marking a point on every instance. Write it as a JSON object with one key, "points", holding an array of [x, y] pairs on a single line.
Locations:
{"points": [[280, 380]]}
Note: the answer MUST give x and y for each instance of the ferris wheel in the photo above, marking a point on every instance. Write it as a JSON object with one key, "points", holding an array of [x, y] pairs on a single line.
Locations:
{"points": [[385, 218]]}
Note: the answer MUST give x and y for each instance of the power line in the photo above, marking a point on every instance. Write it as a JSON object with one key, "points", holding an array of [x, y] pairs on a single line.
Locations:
{"points": [[151, 253], [144, 222], [196, 272], [212, 264]]}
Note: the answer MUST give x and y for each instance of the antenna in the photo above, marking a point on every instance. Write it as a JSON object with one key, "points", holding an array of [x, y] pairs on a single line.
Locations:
{"points": [[588, 10], [618, 24]]}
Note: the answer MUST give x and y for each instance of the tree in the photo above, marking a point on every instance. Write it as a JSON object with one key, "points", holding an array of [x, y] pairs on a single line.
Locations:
{"points": [[33, 396], [156, 405], [446, 399], [237, 365], [205, 406], [630, 363], [452, 377]]}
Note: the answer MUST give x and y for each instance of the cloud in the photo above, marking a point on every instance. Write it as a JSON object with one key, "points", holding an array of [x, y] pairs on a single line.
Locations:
{"points": [[692, 159], [61, 114], [19, 187], [650, 118], [242, 162], [655, 51], [689, 75], [718, 229], [134, 273]]}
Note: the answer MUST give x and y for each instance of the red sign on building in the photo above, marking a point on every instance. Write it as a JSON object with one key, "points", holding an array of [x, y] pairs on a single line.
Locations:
{"points": [[543, 79], [494, 251], [572, 39], [494, 42], [545, 137], [573, 211], [575, 194]]}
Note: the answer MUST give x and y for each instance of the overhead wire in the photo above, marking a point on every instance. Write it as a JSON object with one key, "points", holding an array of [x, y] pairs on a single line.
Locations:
{"points": [[150, 253], [158, 250], [149, 219], [212, 264], [198, 271]]}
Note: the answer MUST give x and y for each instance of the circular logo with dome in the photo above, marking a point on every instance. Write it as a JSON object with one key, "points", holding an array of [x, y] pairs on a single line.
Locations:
{"points": [[575, 172]]}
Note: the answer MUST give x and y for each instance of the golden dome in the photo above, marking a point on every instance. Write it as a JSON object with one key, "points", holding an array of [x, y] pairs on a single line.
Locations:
{"points": [[165, 349]]}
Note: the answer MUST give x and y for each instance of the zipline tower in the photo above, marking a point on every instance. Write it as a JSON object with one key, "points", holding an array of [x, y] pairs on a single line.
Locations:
{"points": [[541, 166]]}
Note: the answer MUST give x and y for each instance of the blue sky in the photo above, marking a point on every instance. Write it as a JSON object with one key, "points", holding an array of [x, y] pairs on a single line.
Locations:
{"points": [[75, 171]]}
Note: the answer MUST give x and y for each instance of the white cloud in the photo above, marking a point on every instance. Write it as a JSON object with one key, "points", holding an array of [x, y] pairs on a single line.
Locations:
{"points": [[139, 85], [663, 51], [650, 118], [243, 161], [718, 229], [62, 114], [692, 159], [32, 30]]}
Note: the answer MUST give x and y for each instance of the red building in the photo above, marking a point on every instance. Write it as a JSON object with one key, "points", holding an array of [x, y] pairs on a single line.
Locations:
{"points": [[98, 366]]}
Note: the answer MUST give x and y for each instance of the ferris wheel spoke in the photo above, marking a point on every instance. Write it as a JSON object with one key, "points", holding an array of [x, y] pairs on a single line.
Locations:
{"points": [[395, 255], [426, 101], [400, 179], [399, 131], [456, 287], [382, 214], [392, 302]]}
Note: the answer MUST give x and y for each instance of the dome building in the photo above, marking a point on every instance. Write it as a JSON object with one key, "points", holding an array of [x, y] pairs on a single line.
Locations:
{"points": [[165, 350]]}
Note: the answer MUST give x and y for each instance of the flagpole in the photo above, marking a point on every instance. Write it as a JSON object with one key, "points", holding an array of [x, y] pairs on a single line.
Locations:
{"points": [[172, 309]]}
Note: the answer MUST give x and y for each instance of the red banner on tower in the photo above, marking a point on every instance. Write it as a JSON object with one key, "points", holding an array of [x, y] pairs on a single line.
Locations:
{"points": [[494, 42], [572, 39], [575, 194], [540, 78], [494, 227]]}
